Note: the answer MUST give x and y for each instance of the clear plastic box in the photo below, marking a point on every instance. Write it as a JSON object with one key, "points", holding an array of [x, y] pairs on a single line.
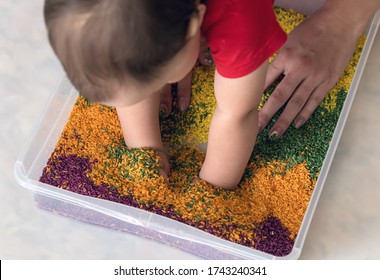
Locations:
{"points": [[35, 154]]}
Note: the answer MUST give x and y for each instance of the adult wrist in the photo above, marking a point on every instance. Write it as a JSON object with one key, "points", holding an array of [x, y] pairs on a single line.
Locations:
{"points": [[352, 13]]}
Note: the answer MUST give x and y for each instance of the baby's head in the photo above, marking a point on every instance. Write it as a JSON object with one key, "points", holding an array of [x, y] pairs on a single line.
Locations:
{"points": [[118, 52]]}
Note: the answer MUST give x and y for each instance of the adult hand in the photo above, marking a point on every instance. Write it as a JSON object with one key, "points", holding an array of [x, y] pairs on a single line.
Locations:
{"points": [[165, 166], [312, 61], [183, 87]]}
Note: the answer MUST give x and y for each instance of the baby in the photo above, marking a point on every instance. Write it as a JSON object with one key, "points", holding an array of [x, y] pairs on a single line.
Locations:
{"points": [[123, 52]]}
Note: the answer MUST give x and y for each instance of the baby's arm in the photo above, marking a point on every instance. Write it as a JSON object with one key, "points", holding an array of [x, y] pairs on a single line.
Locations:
{"points": [[233, 128], [141, 128]]}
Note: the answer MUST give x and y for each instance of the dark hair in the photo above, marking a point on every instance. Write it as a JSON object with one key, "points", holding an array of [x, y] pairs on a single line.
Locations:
{"points": [[103, 41]]}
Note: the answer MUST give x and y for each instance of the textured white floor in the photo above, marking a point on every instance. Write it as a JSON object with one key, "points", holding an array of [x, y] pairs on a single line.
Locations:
{"points": [[346, 223]]}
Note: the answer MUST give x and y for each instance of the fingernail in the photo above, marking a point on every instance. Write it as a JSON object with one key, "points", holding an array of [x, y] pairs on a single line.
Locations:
{"points": [[274, 136], [260, 129], [182, 104], [298, 122]]}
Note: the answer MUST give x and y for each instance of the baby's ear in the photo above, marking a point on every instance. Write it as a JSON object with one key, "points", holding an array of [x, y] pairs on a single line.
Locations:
{"points": [[196, 21]]}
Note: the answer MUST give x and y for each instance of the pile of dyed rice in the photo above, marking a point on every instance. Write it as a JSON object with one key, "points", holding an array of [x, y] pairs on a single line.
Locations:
{"points": [[266, 210]]}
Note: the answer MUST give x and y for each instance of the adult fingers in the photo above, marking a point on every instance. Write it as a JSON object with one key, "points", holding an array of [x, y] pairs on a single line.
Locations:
{"points": [[312, 103], [275, 69], [278, 98], [166, 99], [184, 92], [164, 162], [293, 107]]}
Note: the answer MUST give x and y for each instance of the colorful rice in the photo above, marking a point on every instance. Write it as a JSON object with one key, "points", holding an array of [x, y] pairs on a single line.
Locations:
{"points": [[265, 212]]}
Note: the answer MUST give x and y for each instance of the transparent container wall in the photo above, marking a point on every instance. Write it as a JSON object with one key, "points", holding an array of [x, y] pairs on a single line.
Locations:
{"points": [[371, 33], [48, 129], [34, 157]]}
